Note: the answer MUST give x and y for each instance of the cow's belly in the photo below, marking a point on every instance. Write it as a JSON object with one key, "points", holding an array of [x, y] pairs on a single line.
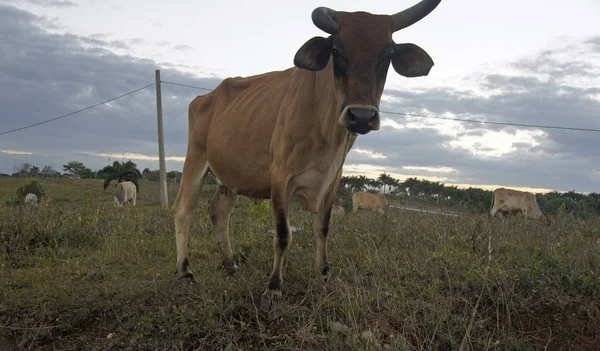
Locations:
{"points": [[246, 176]]}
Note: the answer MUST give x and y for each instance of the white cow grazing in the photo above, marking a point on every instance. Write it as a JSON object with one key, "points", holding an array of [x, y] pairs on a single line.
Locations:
{"points": [[31, 198], [125, 192]]}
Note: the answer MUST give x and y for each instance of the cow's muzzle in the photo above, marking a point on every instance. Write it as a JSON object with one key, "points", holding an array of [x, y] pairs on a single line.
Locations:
{"points": [[360, 119]]}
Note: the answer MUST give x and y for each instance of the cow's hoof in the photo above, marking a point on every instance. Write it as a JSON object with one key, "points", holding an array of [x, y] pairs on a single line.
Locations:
{"points": [[267, 301], [187, 279], [325, 270], [231, 269]]}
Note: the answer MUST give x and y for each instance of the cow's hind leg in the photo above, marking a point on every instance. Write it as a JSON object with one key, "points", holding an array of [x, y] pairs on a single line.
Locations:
{"points": [[220, 208], [194, 172]]}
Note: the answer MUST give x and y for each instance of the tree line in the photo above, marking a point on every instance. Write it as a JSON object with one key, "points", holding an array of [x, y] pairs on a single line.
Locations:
{"points": [[118, 171], [472, 199], [412, 189]]}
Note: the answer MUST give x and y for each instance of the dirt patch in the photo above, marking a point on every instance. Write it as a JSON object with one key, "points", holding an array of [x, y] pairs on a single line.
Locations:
{"points": [[576, 327], [6, 345]]}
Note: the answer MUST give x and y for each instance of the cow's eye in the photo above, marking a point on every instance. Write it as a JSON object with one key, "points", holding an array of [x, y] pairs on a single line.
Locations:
{"points": [[335, 52]]}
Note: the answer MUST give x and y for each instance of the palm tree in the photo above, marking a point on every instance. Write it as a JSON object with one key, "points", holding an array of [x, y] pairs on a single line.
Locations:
{"points": [[386, 180], [121, 172]]}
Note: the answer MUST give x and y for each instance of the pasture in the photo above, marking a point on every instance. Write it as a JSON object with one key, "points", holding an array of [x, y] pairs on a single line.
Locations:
{"points": [[81, 274]]}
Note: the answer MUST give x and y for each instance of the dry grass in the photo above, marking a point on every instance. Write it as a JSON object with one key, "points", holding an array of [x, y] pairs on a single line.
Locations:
{"points": [[82, 274]]}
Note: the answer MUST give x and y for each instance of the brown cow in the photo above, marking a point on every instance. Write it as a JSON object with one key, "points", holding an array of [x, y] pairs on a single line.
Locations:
{"points": [[509, 200], [45, 199], [369, 201], [287, 133]]}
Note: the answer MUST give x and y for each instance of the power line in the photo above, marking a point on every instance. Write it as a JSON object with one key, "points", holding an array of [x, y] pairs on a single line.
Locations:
{"points": [[75, 112], [185, 85], [450, 118], [490, 122], [467, 120]]}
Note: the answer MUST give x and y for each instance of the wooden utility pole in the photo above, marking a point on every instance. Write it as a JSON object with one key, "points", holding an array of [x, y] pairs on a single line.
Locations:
{"points": [[164, 201]]}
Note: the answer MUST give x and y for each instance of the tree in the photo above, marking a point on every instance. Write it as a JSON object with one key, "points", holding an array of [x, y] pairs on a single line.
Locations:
{"points": [[121, 172], [153, 176], [386, 180], [48, 171], [174, 176], [33, 171], [374, 184], [24, 170], [412, 184], [355, 183], [77, 168]]}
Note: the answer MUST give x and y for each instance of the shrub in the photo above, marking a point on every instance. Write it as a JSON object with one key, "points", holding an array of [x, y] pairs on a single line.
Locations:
{"points": [[34, 187]]}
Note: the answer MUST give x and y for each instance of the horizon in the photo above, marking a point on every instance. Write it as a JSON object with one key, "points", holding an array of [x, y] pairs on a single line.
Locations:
{"points": [[348, 174]]}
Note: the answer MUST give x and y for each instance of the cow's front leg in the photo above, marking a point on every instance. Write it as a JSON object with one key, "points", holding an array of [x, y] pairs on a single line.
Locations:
{"points": [[321, 227], [281, 242]]}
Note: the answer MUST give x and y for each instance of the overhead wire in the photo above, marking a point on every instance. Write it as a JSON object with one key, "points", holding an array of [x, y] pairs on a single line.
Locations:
{"points": [[466, 120], [75, 112]]}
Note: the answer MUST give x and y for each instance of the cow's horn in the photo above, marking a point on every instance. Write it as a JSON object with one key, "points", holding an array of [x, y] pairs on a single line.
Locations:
{"points": [[414, 13], [323, 18]]}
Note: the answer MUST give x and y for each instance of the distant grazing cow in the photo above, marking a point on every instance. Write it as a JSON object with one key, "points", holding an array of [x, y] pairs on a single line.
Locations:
{"points": [[369, 201], [45, 199], [509, 200], [286, 133], [31, 198], [125, 192]]}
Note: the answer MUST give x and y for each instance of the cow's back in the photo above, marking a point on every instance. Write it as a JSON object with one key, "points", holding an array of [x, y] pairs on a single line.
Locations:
{"points": [[513, 200], [369, 201], [235, 124]]}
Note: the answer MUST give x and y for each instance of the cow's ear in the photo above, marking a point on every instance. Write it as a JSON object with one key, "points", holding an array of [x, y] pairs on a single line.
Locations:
{"points": [[410, 60], [314, 54]]}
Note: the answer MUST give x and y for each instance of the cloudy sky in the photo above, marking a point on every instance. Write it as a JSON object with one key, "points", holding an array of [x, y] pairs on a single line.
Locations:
{"points": [[534, 62]]}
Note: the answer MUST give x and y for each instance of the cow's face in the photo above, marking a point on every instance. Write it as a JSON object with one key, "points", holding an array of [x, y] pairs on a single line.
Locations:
{"points": [[361, 49]]}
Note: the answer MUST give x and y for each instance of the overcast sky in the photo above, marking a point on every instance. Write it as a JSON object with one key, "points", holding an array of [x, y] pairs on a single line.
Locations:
{"points": [[533, 62]]}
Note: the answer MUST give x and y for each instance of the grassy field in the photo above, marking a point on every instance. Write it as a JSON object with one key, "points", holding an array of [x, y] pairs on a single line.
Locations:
{"points": [[80, 274]]}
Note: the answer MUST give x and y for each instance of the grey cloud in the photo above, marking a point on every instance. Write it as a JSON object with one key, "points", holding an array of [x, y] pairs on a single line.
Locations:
{"points": [[44, 75], [182, 47], [547, 65], [137, 41], [119, 44], [51, 3], [595, 43]]}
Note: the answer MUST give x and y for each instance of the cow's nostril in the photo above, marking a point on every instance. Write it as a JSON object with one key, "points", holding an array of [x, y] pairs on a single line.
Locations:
{"points": [[373, 120], [351, 117], [362, 113]]}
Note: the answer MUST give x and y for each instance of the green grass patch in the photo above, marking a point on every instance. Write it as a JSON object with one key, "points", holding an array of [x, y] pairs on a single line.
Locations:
{"points": [[80, 274]]}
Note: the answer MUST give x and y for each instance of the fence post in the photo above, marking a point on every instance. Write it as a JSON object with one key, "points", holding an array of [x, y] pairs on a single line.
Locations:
{"points": [[164, 200]]}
